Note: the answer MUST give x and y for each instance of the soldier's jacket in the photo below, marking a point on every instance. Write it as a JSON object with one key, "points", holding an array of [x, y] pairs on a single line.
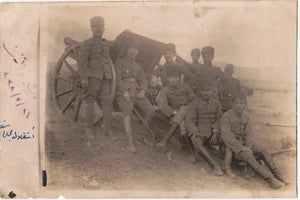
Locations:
{"points": [[202, 117], [172, 98], [235, 130], [161, 72], [94, 60], [207, 73], [130, 76], [229, 86]]}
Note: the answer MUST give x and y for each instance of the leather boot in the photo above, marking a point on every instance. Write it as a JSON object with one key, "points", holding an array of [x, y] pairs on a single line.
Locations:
{"points": [[268, 160], [216, 168], [162, 144], [107, 119], [127, 125], [89, 113], [227, 161], [266, 175]]}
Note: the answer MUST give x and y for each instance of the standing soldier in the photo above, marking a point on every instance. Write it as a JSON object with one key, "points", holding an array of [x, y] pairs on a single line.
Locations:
{"points": [[236, 134], [131, 88], [230, 87], [202, 123], [95, 70], [208, 72]]}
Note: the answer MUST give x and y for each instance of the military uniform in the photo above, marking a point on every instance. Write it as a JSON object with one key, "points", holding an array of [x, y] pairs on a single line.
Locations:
{"points": [[94, 65], [131, 77], [230, 87], [236, 133], [203, 117], [177, 99]]}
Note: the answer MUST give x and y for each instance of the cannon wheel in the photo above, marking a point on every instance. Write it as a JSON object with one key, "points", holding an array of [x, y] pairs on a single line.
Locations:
{"points": [[68, 92]]}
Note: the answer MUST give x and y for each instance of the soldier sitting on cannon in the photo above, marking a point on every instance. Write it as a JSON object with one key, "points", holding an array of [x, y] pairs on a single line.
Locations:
{"points": [[131, 88], [95, 70], [236, 134]]}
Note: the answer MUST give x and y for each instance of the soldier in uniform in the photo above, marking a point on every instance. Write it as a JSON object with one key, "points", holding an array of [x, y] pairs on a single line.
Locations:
{"points": [[202, 123], [131, 88], [208, 72], [173, 102], [169, 56], [96, 74], [230, 87], [236, 134]]}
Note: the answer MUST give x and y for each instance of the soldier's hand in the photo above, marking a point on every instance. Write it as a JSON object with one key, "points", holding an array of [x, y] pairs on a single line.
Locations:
{"points": [[84, 83], [245, 148], [126, 96], [214, 137], [141, 94]]}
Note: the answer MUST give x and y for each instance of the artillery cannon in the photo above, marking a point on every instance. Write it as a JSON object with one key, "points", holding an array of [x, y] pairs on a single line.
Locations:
{"points": [[68, 91]]}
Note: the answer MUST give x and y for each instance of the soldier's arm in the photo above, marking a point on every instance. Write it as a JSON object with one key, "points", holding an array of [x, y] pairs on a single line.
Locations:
{"points": [[82, 62], [239, 86], [248, 133], [191, 118], [163, 103], [119, 82], [228, 136], [142, 80]]}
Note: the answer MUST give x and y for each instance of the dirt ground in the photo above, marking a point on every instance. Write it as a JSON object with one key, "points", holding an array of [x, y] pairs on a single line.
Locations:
{"points": [[107, 165]]}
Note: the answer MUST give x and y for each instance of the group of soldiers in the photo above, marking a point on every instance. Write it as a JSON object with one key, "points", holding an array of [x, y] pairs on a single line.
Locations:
{"points": [[203, 104]]}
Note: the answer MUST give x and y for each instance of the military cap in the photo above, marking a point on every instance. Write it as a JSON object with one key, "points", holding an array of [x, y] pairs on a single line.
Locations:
{"points": [[240, 96], [97, 20], [173, 70], [170, 47], [208, 50], [195, 51], [229, 68]]}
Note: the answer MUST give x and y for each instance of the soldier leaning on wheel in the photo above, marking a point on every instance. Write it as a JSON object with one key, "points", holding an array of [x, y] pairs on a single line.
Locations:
{"points": [[96, 74], [236, 134], [131, 88]]}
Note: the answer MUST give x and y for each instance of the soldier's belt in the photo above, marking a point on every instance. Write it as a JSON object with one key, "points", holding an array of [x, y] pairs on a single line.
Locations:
{"points": [[128, 79]]}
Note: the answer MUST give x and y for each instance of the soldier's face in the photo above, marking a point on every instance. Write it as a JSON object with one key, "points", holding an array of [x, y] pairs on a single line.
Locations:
{"points": [[195, 57], [239, 106], [228, 73], [132, 52], [206, 93], [169, 56], [97, 29], [207, 58], [173, 80]]}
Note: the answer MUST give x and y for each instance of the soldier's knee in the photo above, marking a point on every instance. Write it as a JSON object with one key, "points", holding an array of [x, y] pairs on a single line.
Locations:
{"points": [[197, 142], [245, 155]]}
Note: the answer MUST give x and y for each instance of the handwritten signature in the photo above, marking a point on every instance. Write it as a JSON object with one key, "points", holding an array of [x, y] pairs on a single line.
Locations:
{"points": [[11, 134], [23, 58]]}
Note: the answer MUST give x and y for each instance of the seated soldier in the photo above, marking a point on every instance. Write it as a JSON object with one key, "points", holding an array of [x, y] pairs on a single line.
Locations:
{"points": [[173, 102], [131, 88], [202, 122], [236, 133], [230, 87]]}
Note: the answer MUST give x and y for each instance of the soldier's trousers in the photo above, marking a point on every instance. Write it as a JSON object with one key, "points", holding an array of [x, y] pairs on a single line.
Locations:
{"points": [[258, 152], [143, 104], [99, 90]]}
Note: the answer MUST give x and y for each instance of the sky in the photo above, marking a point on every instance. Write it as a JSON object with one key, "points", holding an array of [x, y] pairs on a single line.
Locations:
{"points": [[252, 34]]}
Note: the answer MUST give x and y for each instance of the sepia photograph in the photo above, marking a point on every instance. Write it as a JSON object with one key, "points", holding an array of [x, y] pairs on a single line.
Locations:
{"points": [[191, 99]]}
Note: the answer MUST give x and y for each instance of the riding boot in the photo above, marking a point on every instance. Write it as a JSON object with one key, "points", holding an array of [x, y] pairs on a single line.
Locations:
{"points": [[107, 119], [227, 161], [189, 145], [127, 125], [216, 168], [89, 112], [268, 160], [266, 175], [162, 144]]}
